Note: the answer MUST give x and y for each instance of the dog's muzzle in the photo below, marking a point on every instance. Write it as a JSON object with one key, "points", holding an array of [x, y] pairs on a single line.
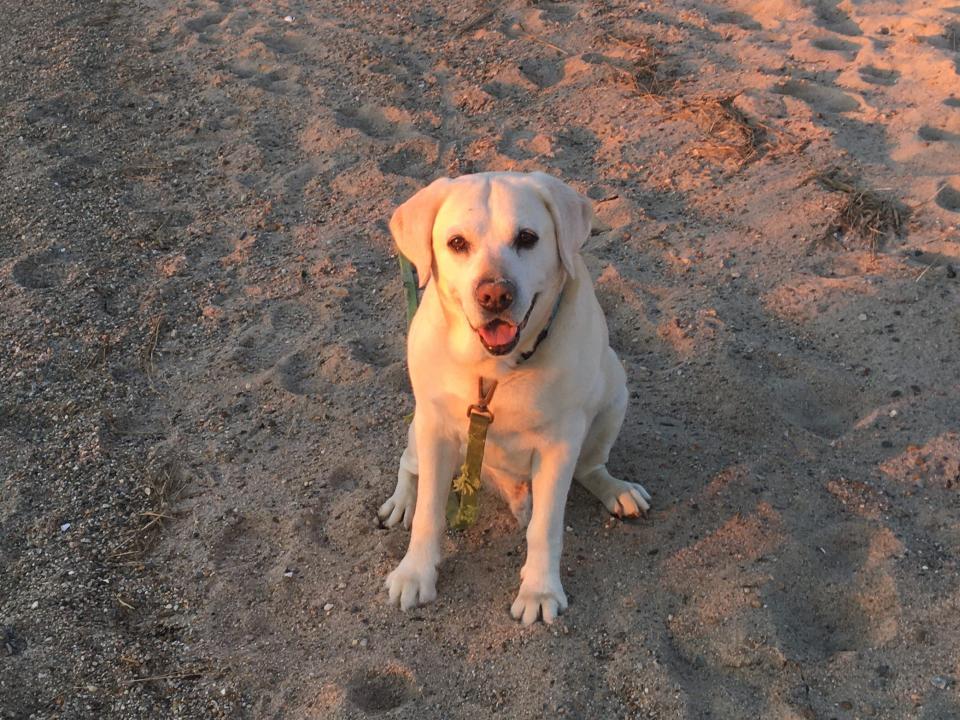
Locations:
{"points": [[500, 336]]}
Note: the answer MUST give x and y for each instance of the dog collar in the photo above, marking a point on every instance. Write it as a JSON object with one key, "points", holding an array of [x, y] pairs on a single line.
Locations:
{"points": [[543, 333]]}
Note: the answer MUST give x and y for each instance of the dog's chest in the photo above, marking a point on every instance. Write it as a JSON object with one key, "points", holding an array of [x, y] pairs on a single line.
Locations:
{"points": [[509, 453]]}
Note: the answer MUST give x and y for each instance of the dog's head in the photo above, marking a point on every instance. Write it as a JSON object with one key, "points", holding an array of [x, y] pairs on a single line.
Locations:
{"points": [[498, 246]]}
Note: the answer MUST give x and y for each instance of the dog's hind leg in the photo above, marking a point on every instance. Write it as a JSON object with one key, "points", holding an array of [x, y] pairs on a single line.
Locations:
{"points": [[623, 499], [400, 505]]}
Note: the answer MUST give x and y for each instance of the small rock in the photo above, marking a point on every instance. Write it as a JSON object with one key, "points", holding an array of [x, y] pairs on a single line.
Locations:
{"points": [[862, 316], [893, 413], [940, 682], [64, 527], [35, 604], [328, 607], [951, 271], [288, 18]]}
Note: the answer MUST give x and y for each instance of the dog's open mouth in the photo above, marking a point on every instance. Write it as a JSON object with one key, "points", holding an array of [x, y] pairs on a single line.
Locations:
{"points": [[500, 336]]}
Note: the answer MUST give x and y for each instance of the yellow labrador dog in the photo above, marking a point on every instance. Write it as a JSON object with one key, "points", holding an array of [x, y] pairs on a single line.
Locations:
{"points": [[508, 298]]}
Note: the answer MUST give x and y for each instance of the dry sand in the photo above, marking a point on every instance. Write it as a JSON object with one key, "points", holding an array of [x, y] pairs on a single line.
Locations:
{"points": [[203, 380]]}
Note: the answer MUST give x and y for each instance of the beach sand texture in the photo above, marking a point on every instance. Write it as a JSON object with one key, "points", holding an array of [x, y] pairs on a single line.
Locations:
{"points": [[202, 355]]}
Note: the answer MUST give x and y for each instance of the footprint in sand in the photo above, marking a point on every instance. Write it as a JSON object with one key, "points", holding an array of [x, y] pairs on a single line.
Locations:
{"points": [[414, 159], [933, 134], [368, 119], [819, 97], [262, 345], [374, 690], [833, 44], [42, 270], [740, 19], [948, 197], [282, 44], [853, 605], [204, 23], [295, 373], [270, 80], [296, 180], [831, 17], [823, 410], [541, 72], [556, 12], [879, 76]]}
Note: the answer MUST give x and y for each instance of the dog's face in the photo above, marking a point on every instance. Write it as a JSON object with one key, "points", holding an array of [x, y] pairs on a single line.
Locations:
{"points": [[495, 255], [497, 245]]}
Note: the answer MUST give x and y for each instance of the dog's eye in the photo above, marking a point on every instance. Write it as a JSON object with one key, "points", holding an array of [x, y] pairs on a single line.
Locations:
{"points": [[525, 239], [458, 245]]}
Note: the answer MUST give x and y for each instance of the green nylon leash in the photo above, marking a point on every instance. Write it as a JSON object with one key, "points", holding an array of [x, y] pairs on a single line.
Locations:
{"points": [[462, 501], [409, 287]]}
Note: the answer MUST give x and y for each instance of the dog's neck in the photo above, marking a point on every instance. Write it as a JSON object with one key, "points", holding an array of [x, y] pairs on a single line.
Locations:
{"points": [[542, 335]]}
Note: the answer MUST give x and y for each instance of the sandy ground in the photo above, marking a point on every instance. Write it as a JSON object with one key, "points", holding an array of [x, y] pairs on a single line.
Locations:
{"points": [[203, 380]]}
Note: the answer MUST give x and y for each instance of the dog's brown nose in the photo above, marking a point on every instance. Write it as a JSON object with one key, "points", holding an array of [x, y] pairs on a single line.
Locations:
{"points": [[495, 295]]}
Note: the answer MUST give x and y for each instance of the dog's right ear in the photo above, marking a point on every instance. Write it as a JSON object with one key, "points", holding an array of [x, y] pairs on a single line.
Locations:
{"points": [[412, 226]]}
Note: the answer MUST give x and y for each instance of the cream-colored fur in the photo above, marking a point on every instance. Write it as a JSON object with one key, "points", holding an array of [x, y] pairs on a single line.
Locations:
{"points": [[557, 414]]}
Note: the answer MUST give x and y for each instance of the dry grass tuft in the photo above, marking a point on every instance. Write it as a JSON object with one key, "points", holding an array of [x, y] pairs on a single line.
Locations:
{"points": [[732, 134], [875, 217], [163, 482], [648, 72]]}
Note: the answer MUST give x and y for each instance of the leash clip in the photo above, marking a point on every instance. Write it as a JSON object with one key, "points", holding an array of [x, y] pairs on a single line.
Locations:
{"points": [[481, 406]]}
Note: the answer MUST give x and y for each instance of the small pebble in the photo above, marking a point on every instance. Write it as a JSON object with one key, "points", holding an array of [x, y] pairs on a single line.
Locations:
{"points": [[951, 271], [940, 682], [862, 316], [34, 605], [328, 607], [64, 527], [288, 18], [893, 413]]}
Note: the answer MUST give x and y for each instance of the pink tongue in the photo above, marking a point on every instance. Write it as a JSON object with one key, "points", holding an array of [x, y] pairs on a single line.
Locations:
{"points": [[498, 333]]}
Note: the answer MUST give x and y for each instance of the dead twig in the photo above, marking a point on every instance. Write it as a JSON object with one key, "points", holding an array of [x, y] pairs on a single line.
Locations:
{"points": [[153, 338], [477, 21], [546, 43], [175, 676], [123, 602], [925, 271]]}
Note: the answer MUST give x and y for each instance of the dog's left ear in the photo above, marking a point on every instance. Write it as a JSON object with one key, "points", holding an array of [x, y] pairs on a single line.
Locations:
{"points": [[572, 215], [412, 226]]}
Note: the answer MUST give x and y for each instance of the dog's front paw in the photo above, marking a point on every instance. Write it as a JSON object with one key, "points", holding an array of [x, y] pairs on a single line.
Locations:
{"points": [[412, 583], [627, 499], [539, 598], [399, 506]]}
